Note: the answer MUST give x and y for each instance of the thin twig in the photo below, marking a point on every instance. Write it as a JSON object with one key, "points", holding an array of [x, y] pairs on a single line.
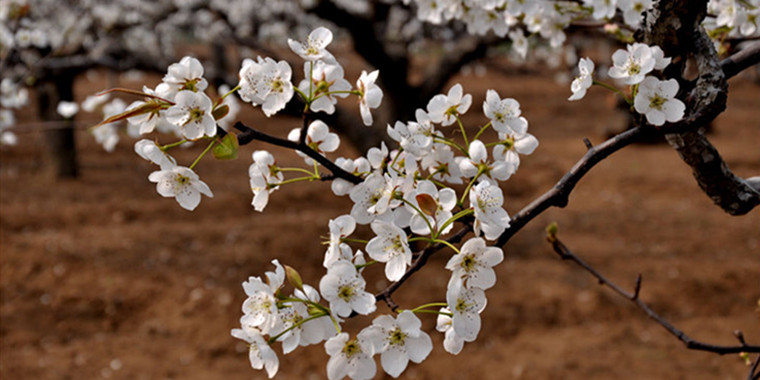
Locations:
{"points": [[690, 343], [249, 134]]}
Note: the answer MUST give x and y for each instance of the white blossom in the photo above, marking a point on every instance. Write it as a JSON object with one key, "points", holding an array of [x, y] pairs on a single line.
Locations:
{"points": [[631, 65], [150, 151], [504, 114], [452, 342], [398, 340], [186, 75], [324, 83], [67, 109], [465, 305], [340, 227], [264, 177], [259, 352], [314, 47], [352, 358], [444, 109], [487, 199], [473, 265], [391, 247], [371, 95], [656, 99], [192, 115], [343, 288], [266, 82], [318, 137], [584, 80]]}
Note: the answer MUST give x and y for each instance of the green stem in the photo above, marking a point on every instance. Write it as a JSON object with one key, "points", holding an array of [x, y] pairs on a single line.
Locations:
{"points": [[458, 215], [469, 185], [230, 92], [461, 128], [451, 143], [429, 305], [351, 240], [299, 170], [208, 148], [302, 95], [296, 325], [299, 179], [410, 204], [482, 130], [613, 89], [368, 263], [444, 242], [166, 147]]}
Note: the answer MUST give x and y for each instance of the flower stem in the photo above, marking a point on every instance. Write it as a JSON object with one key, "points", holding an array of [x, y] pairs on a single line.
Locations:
{"points": [[296, 325], [461, 128], [613, 89], [482, 130], [208, 148], [166, 147]]}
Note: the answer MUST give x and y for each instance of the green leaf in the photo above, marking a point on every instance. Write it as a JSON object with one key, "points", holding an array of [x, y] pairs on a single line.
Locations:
{"points": [[227, 147]]}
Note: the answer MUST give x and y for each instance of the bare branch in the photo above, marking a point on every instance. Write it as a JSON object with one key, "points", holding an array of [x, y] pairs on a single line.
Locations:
{"points": [[559, 194], [690, 343], [746, 58]]}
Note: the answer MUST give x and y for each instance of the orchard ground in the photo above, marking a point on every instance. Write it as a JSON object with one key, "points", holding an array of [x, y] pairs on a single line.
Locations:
{"points": [[102, 278]]}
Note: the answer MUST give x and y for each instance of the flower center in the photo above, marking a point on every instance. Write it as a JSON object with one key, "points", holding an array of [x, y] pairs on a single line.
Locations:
{"points": [[346, 292], [468, 263], [351, 348], [656, 102], [397, 337]]}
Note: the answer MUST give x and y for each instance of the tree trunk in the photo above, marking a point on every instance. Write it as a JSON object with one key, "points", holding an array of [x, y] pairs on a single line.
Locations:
{"points": [[60, 139]]}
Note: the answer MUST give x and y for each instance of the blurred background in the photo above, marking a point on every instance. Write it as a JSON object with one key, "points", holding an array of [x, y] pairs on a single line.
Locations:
{"points": [[100, 277]]}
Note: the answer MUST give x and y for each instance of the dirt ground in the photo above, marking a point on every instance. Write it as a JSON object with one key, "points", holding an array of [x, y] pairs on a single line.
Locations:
{"points": [[102, 278]]}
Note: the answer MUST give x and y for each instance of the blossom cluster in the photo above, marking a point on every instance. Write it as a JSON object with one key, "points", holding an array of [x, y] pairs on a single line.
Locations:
{"points": [[652, 97], [436, 177], [404, 195]]}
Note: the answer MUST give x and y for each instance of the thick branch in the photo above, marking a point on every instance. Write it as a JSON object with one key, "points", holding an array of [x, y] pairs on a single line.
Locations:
{"points": [[249, 134], [559, 194], [690, 343], [704, 102]]}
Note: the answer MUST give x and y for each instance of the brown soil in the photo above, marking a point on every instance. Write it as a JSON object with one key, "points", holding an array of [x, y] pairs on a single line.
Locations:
{"points": [[101, 277]]}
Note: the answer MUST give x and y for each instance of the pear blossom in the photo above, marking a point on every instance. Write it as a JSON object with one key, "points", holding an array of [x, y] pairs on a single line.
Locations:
{"points": [[186, 75], [473, 265], [343, 288], [584, 80], [92, 102], [444, 109], [633, 10], [390, 246], [519, 42], [398, 340], [352, 358], [465, 305], [441, 163], [7, 119], [264, 177], [340, 227], [155, 117], [358, 167], [411, 137], [314, 47], [373, 197], [510, 148], [192, 114], [656, 100], [377, 157], [318, 137], [181, 183], [260, 308], [441, 202], [631, 65], [504, 114], [452, 342], [602, 9], [478, 163], [259, 352], [150, 151], [487, 199], [324, 82], [294, 332], [266, 82], [67, 109], [107, 134], [371, 95]]}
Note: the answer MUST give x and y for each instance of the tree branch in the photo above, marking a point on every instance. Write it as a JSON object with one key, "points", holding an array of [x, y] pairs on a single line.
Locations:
{"points": [[249, 134], [558, 195], [744, 59], [565, 254]]}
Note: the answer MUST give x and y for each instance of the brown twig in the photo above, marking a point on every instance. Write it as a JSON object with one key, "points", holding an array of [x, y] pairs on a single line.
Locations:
{"points": [[565, 254]]}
